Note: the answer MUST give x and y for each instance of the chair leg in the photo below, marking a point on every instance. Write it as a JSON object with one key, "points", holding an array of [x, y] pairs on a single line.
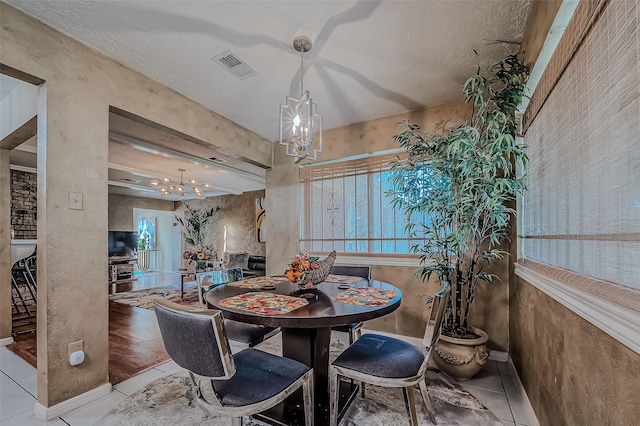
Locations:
{"points": [[362, 384], [197, 417], [355, 333], [410, 405], [334, 390], [307, 392], [427, 401]]}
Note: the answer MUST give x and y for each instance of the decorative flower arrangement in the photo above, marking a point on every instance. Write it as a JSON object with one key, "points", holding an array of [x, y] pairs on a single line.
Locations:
{"points": [[200, 253], [299, 266]]}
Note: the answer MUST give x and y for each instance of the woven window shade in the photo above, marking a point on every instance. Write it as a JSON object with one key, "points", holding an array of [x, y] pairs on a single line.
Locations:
{"points": [[582, 210], [345, 208]]}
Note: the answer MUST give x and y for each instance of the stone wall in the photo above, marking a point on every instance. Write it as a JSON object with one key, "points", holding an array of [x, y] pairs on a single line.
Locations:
{"points": [[24, 205]]}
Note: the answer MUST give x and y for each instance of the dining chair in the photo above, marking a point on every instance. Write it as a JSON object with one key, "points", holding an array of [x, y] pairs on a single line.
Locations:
{"points": [[247, 334], [355, 328], [228, 385], [389, 362], [210, 279]]}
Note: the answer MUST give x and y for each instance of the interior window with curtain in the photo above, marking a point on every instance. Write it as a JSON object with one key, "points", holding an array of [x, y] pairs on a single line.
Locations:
{"points": [[345, 208]]}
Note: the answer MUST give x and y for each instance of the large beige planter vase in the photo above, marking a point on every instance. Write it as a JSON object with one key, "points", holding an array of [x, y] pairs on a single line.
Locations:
{"points": [[461, 358]]}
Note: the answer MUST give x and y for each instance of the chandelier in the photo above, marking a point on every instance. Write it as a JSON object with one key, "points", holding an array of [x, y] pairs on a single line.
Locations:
{"points": [[191, 189], [299, 118]]}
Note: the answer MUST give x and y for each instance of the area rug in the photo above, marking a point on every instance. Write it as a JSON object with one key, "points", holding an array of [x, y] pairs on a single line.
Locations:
{"points": [[145, 298], [170, 401]]}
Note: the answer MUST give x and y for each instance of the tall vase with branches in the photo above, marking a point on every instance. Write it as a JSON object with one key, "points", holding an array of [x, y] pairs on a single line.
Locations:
{"points": [[468, 186], [195, 230]]}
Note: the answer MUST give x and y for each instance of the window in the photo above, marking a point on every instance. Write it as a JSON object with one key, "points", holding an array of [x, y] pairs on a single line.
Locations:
{"points": [[345, 207]]}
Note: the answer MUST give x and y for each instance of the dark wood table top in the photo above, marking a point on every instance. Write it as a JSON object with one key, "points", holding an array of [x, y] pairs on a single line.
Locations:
{"points": [[322, 310]]}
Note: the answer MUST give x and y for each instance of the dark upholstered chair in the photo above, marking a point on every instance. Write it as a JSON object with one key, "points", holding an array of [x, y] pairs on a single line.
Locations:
{"points": [[247, 334], [354, 329], [229, 385], [389, 362]]}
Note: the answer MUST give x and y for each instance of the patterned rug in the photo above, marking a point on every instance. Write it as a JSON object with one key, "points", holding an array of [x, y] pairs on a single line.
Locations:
{"points": [[145, 298], [170, 401]]}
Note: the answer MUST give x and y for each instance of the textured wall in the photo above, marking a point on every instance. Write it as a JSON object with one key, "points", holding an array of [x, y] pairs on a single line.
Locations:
{"points": [[121, 210], [574, 373], [73, 122], [490, 310], [237, 214], [5, 246], [24, 205], [540, 18]]}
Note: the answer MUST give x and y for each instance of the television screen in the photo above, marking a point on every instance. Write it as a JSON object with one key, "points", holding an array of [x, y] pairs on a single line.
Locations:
{"points": [[123, 243]]}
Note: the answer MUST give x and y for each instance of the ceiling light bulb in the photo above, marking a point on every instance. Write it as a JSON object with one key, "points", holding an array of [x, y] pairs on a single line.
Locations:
{"points": [[192, 189]]}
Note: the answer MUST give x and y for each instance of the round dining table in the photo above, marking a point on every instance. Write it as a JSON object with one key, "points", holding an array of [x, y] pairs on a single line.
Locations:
{"points": [[306, 335]]}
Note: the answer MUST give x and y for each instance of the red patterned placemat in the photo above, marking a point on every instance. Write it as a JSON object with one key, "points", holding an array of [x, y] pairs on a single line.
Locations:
{"points": [[366, 296], [257, 282], [264, 303], [343, 279]]}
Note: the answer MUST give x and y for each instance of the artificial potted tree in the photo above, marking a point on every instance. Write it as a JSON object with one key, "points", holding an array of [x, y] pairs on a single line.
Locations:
{"points": [[462, 179], [195, 230]]}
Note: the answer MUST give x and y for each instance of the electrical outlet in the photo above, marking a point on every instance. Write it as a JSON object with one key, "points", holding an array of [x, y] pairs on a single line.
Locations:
{"points": [[76, 346]]}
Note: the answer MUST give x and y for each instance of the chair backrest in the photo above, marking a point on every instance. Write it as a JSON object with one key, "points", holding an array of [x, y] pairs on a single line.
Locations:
{"points": [[218, 277], [195, 339], [209, 279], [354, 271], [434, 325]]}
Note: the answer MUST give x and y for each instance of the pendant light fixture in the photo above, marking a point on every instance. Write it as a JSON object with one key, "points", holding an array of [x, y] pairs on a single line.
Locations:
{"points": [[299, 119], [192, 189]]}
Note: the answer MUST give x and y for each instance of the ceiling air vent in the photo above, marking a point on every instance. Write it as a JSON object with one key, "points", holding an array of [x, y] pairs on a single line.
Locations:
{"points": [[235, 64], [129, 180], [217, 160]]}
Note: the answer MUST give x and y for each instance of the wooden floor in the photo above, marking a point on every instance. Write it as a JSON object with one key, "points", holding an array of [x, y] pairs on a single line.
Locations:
{"points": [[135, 344]]}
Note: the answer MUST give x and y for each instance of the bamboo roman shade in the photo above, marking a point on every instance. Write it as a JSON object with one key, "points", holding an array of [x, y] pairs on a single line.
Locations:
{"points": [[582, 210], [345, 208]]}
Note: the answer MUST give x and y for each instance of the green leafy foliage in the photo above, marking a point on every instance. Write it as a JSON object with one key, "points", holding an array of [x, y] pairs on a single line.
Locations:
{"points": [[196, 227], [474, 184]]}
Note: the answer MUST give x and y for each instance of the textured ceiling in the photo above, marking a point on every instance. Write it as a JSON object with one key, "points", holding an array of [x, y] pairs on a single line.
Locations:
{"points": [[370, 59]]}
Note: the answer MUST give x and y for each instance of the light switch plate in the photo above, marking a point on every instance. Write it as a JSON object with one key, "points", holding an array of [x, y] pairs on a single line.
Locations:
{"points": [[75, 200]]}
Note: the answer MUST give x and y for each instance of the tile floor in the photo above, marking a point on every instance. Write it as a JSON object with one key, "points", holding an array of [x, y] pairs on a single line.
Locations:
{"points": [[493, 386]]}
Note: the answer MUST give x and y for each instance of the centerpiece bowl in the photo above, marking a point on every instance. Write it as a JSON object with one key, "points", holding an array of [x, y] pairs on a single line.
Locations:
{"points": [[307, 272]]}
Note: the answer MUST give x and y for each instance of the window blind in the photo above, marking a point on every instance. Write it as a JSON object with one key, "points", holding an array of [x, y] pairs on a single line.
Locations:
{"points": [[345, 208], [582, 209]]}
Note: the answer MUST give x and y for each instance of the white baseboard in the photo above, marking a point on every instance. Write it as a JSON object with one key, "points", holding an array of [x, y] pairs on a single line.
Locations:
{"points": [[6, 341], [48, 413], [531, 415]]}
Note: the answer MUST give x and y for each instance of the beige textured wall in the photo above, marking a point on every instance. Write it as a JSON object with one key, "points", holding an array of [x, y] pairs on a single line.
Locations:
{"points": [[73, 124], [573, 373], [237, 213], [121, 210], [540, 18], [5, 245], [490, 311]]}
